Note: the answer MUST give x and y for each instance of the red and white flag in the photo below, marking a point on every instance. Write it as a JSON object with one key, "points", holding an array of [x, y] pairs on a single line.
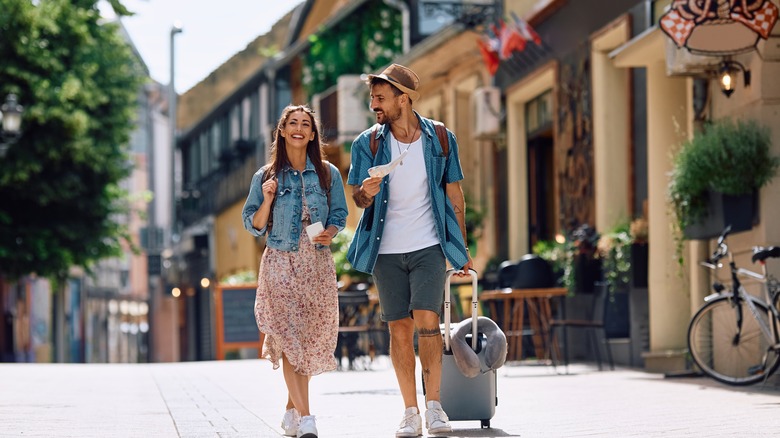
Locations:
{"points": [[526, 30]]}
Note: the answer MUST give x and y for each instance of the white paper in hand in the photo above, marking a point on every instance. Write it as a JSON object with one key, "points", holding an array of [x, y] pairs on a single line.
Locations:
{"points": [[385, 169], [314, 230]]}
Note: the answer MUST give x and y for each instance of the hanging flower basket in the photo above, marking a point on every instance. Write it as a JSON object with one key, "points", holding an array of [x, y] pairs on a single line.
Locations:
{"points": [[737, 211]]}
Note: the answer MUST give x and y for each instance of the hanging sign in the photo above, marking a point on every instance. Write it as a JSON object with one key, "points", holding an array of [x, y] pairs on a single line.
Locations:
{"points": [[719, 27]]}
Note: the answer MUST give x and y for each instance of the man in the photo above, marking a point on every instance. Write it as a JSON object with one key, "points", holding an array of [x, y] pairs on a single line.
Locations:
{"points": [[413, 223]]}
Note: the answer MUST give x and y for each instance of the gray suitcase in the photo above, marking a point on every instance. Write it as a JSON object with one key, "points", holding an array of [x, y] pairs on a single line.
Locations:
{"points": [[464, 398]]}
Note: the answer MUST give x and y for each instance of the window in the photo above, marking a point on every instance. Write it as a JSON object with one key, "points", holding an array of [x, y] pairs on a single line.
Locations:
{"points": [[432, 17], [538, 113], [213, 151], [245, 117], [235, 124]]}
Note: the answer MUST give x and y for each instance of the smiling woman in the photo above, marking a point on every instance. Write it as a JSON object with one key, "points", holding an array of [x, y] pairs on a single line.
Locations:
{"points": [[296, 304]]}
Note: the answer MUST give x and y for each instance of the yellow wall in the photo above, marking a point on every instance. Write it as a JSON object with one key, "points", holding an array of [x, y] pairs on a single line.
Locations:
{"points": [[520, 7], [536, 83], [449, 74], [611, 128], [668, 101], [236, 249]]}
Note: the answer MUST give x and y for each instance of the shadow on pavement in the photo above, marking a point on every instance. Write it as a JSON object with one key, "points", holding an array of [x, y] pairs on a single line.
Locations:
{"points": [[482, 433]]}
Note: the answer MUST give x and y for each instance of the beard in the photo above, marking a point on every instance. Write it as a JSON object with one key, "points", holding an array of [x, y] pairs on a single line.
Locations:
{"points": [[386, 117]]}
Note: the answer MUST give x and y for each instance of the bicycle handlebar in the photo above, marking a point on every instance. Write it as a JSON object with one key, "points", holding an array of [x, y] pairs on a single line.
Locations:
{"points": [[721, 251]]}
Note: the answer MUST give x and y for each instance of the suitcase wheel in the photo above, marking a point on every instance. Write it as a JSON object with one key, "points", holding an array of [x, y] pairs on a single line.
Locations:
{"points": [[485, 424]]}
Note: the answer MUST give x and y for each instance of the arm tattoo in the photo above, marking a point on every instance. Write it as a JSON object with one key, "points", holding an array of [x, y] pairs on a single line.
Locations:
{"points": [[360, 197]]}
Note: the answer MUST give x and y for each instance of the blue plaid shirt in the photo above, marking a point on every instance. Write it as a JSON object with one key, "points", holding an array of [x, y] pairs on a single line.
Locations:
{"points": [[441, 170]]}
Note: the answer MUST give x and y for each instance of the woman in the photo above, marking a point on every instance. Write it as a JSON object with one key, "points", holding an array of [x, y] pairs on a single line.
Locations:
{"points": [[297, 302]]}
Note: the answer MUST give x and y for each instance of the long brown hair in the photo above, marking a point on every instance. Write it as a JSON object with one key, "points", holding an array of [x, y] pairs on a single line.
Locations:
{"points": [[314, 150]]}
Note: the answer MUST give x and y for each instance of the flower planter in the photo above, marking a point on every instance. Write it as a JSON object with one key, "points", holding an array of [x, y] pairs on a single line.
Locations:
{"points": [[587, 271], [639, 260], [722, 210], [617, 320]]}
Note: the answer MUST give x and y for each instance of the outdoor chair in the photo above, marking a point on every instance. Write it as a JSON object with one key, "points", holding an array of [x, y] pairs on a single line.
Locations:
{"points": [[595, 326], [353, 322]]}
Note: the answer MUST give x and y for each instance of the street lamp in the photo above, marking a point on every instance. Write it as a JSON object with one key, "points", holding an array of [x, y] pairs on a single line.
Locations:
{"points": [[11, 118], [727, 72], [175, 29]]}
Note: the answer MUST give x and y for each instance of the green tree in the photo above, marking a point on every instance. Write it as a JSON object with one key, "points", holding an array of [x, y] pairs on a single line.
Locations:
{"points": [[60, 193], [368, 40]]}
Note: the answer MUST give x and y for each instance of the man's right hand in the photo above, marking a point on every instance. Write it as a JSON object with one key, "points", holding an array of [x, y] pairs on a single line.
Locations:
{"points": [[364, 193], [371, 186]]}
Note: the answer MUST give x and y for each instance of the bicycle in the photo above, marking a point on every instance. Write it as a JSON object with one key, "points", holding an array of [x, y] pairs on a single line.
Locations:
{"points": [[733, 337]]}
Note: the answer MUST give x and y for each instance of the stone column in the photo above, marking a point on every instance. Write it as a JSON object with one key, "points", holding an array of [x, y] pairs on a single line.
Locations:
{"points": [[669, 301]]}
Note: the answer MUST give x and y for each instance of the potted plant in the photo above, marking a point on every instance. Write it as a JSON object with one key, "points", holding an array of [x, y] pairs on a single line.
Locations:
{"points": [[623, 254], [557, 255], [614, 250], [584, 269], [639, 231], [572, 258], [346, 274], [726, 162]]}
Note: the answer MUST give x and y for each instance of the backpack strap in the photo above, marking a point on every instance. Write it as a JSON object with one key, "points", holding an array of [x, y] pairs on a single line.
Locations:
{"points": [[441, 132], [372, 143]]}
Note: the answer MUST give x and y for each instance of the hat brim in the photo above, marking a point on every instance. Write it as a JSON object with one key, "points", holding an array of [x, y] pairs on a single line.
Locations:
{"points": [[414, 95]]}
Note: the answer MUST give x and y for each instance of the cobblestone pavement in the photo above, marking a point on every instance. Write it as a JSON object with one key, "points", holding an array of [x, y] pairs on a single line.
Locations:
{"points": [[245, 398]]}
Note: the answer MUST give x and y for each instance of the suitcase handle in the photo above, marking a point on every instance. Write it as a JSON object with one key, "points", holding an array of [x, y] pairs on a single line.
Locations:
{"points": [[474, 303]]}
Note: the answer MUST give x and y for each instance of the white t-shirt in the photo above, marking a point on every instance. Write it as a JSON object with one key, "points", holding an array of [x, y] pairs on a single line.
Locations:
{"points": [[409, 224]]}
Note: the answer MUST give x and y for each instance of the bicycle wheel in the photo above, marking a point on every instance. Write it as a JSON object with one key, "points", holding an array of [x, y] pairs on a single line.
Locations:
{"points": [[724, 355]]}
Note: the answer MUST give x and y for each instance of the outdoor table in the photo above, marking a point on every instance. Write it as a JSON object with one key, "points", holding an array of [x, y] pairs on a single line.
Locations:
{"points": [[539, 316]]}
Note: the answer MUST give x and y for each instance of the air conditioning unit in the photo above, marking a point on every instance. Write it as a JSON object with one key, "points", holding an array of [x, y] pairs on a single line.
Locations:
{"points": [[353, 112], [486, 102]]}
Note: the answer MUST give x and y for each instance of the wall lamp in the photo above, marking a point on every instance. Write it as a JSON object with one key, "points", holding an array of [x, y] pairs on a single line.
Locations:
{"points": [[11, 118], [727, 73]]}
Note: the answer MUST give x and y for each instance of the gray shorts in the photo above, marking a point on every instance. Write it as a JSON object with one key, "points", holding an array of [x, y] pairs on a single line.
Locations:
{"points": [[410, 281]]}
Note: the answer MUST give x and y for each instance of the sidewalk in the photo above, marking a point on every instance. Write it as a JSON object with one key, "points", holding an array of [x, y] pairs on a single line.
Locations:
{"points": [[245, 398]]}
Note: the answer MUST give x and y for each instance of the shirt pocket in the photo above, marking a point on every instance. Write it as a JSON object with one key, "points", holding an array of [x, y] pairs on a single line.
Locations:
{"points": [[439, 166], [317, 200], [282, 214]]}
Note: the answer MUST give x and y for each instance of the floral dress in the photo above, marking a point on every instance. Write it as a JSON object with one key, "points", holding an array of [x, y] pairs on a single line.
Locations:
{"points": [[296, 305]]}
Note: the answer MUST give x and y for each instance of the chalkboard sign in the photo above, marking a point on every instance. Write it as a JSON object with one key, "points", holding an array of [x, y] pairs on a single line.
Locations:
{"points": [[236, 326]]}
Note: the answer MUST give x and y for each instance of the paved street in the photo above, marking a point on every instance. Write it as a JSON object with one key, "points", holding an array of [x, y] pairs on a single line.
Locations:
{"points": [[246, 398]]}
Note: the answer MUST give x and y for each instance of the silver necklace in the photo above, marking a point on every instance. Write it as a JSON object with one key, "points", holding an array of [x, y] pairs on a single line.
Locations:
{"points": [[398, 143]]}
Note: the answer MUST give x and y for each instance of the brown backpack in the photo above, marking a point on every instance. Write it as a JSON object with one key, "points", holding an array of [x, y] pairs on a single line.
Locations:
{"points": [[441, 132]]}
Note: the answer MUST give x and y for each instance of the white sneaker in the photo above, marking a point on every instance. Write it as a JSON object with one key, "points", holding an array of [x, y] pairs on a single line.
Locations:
{"points": [[411, 425], [290, 422], [308, 427], [436, 421]]}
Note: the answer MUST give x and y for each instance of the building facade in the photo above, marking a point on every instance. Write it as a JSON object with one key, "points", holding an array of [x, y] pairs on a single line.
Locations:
{"points": [[575, 126]]}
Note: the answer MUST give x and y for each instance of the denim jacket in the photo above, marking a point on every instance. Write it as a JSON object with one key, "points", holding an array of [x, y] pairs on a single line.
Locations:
{"points": [[441, 170], [286, 230]]}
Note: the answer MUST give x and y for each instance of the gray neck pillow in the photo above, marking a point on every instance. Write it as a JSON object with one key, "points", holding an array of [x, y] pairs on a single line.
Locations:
{"points": [[493, 356]]}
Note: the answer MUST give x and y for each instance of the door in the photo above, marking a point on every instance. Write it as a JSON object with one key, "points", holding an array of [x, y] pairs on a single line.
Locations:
{"points": [[541, 216]]}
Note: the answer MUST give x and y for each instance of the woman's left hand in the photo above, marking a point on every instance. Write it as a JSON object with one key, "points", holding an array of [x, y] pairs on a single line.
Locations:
{"points": [[325, 237]]}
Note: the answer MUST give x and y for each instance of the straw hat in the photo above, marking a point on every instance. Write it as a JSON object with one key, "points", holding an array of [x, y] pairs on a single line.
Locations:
{"points": [[402, 78]]}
